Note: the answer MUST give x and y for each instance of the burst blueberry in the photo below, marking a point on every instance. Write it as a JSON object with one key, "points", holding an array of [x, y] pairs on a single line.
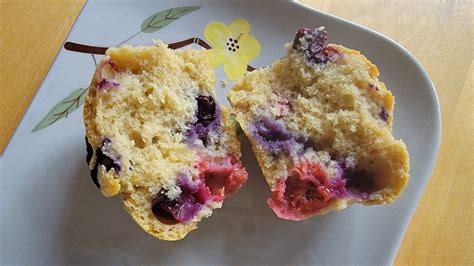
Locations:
{"points": [[312, 42], [194, 196], [206, 109], [208, 118], [161, 207]]}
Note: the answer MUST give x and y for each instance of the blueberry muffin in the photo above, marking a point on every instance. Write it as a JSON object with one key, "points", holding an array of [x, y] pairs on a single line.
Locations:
{"points": [[319, 121], [156, 136]]}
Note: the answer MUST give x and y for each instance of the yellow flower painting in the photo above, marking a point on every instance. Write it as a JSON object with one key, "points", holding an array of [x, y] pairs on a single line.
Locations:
{"points": [[232, 45]]}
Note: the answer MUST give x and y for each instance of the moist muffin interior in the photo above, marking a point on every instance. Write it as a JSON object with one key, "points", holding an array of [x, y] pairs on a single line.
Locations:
{"points": [[321, 107], [156, 135]]}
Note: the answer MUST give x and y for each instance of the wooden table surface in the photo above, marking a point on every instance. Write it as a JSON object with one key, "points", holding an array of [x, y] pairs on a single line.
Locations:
{"points": [[439, 33]]}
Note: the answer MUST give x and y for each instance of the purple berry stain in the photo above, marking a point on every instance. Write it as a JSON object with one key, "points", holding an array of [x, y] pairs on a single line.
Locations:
{"points": [[271, 130], [272, 135], [107, 85], [384, 115]]}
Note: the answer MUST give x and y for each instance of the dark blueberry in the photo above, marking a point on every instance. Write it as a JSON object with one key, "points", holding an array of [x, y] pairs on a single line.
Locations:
{"points": [[360, 181], [316, 58], [161, 207], [384, 115], [314, 45], [106, 161], [102, 159], [206, 109], [89, 151], [179, 210], [208, 115], [94, 176]]}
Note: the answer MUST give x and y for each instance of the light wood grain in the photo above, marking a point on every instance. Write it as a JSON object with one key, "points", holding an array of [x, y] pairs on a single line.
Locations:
{"points": [[31, 33], [440, 35]]}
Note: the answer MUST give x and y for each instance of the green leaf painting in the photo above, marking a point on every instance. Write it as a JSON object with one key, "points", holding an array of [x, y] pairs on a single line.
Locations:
{"points": [[165, 17], [63, 108]]}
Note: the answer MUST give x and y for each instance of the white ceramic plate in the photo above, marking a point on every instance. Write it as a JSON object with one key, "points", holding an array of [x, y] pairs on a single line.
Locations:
{"points": [[53, 214]]}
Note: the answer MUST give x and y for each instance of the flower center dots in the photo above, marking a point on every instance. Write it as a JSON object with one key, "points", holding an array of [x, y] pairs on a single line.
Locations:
{"points": [[232, 44]]}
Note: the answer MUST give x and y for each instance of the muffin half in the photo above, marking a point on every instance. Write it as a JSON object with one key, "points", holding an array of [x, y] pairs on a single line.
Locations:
{"points": [[319, 121], [156, 135]]}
